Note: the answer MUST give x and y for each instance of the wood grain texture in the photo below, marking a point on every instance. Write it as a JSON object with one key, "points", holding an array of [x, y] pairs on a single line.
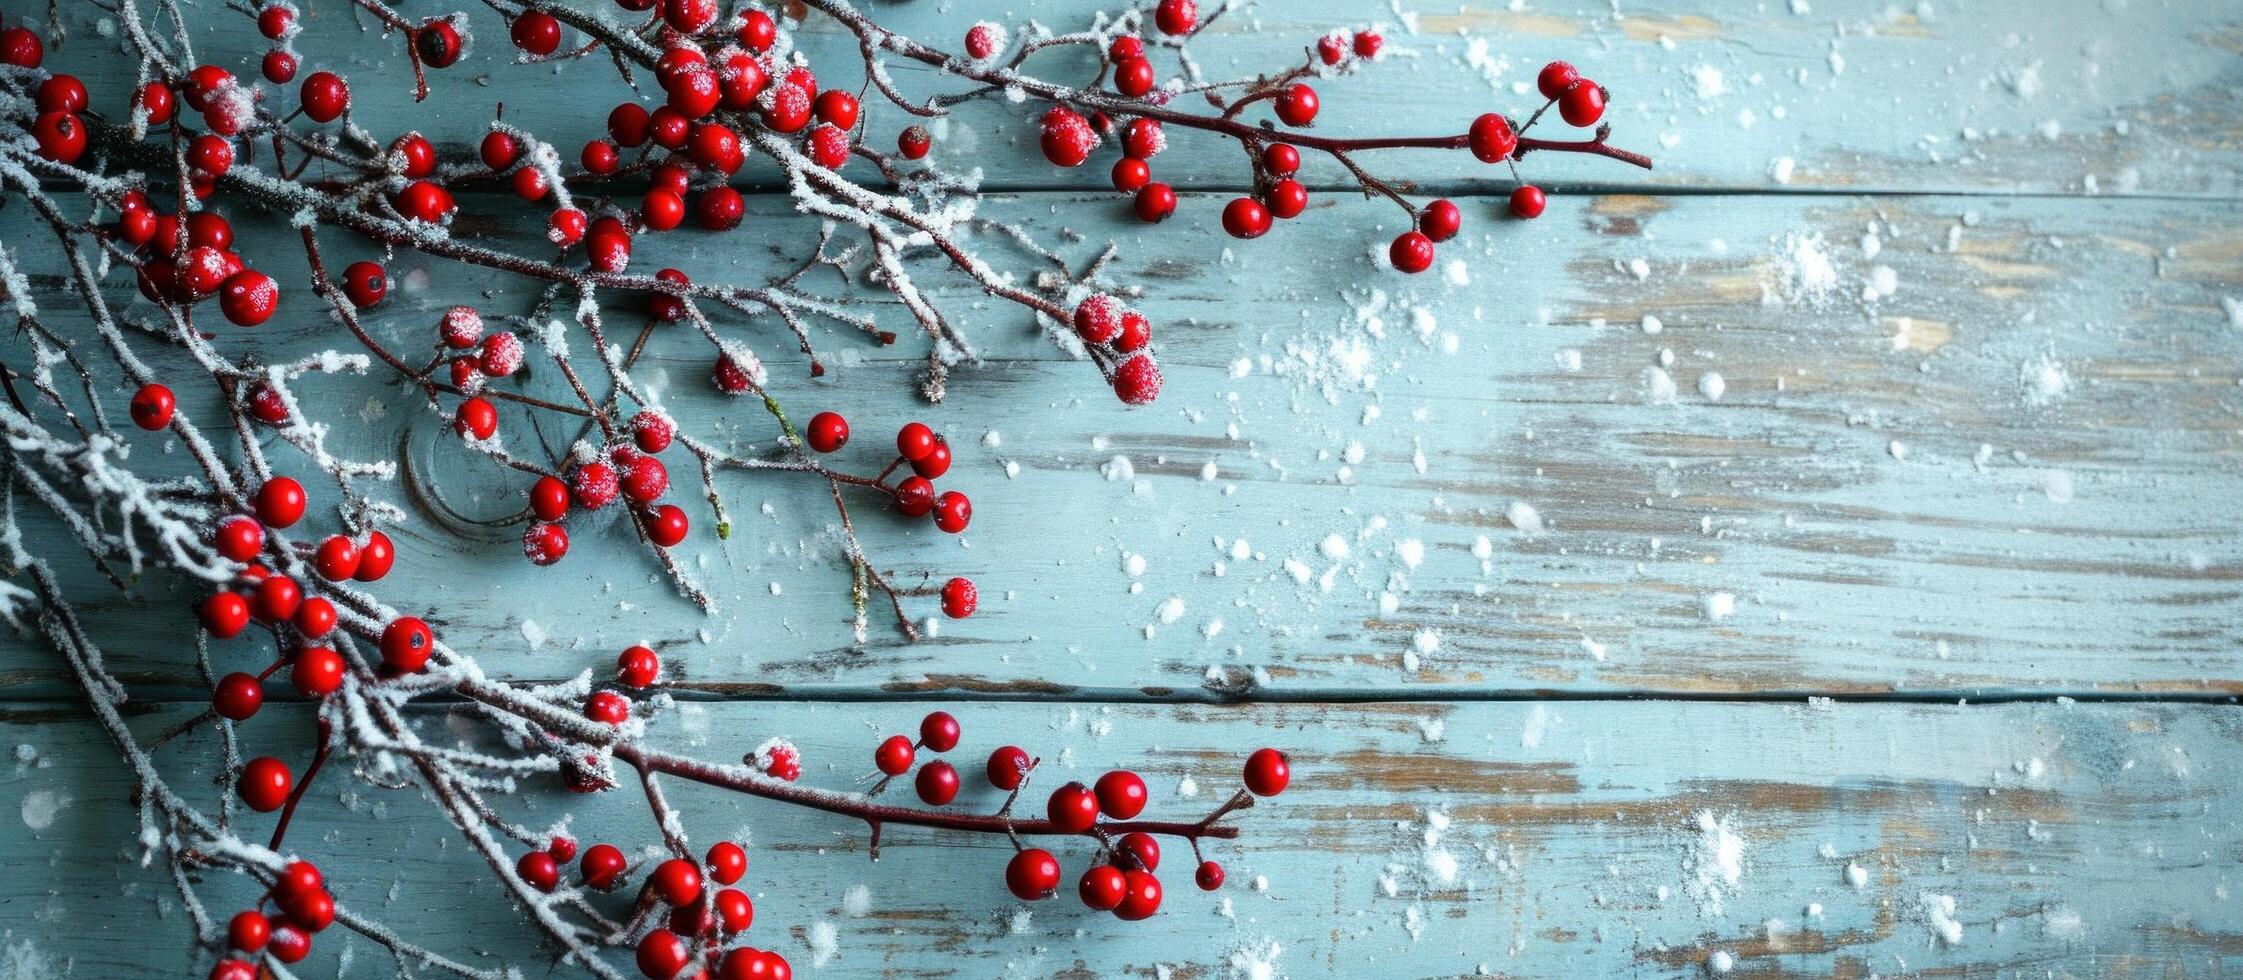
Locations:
{"points": [[2061, 97], [2017, 472], [1587, 839]]}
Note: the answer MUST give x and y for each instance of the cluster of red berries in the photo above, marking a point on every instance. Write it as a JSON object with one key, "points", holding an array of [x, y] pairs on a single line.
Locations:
{"points": [[302, 908], [1124, 883], [706, 912], [636, 668], [928, 456], [937, 782], [189, 258], [628, 469], [1104, 324], [475, 358], [1493, 140]]}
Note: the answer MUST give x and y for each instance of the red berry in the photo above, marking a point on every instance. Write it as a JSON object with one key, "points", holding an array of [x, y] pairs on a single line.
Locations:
{"points": [[607, 708], [562, 848], [1141, 898], [837, 107], [1134, 77], [667, 525], [894, 755], [1330, 49], [1138, 850], [1136, 332], [299, 878], [1102, 887], [1411, 252], [1582, 104], [1297, 105], [914, 142], [1367, 44], [602, 866], [1008, 766], [637, 667], [1032, 874], [1121, 794], [828, 432], [499, 151], [289, 943], [1287, 198], [61, 93], [312, 911], [364, 284], [280, 502], [416, 156], [1155, 202], [544, 543], [549, 498], [566, 227], [238, 696], [1209, 876], [275, 20], [740, 80], [594, 485], [337, 558], [719, 208], [914, 441], [757, 30], [829, 146], [1137, 380], [652, 429], [438, 43], [715, 146], [1441, 220], [1125, 47], [248, 931], [314, 617], [536, 32], [689, 16], [1267, 772], [476, 417], [734, 910], [238, 538], [203, 81], [1555, 78], [959, 598], [539, 870], [677, 881], [156, 100], [1176, 16], [953, 511], [788, 110], [1492, 139], [375, 557], [1072, 808], [938, 731], [627, 124], [425, 202], [21, 48], [278, 66], [406, 645], [662, 954], [600, 157], [983, 40], [935, 463], [1067, 137], [937, 783], [232, 969], [264, 783], [727, 862], [316, 672], [61, 136], [1130, 174], [645, 480], [1245, 218], [325, 95], [277, 598], [152, 407], [1527, 201]]}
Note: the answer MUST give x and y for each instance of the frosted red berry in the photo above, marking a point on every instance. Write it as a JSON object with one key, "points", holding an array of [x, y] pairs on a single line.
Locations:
{"points": [[476, 418], [953, 511], [1176, 17], [1137, 380], [1067, 137], [607, 708], [960, 598], [914, 142], [375, 557], [248, 931]]}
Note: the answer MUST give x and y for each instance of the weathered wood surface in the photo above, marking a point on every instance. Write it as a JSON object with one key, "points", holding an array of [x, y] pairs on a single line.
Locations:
{"points": [[2016, 472], [2013, 474], [1613, 839], [2064, 96]]}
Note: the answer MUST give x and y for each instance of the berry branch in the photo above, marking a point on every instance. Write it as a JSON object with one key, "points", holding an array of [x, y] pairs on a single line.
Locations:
{"points": [[139, 196]]}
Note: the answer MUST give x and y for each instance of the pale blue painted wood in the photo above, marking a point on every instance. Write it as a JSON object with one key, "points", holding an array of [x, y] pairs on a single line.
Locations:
{"points": [[2074, 839], [2035, 490]]}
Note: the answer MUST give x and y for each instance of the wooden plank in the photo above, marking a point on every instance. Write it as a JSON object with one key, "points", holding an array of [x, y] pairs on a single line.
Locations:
{"points": [[2065, 97], [1418, 840], [2018, 471]]}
